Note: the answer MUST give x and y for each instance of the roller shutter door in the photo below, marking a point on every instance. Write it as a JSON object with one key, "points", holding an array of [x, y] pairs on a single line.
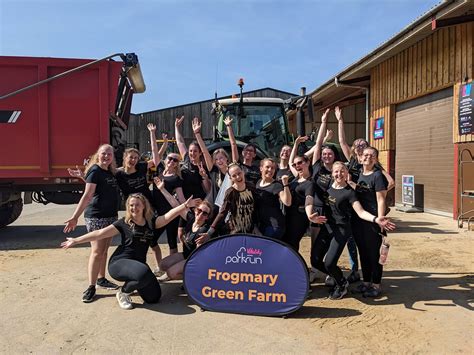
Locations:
{"points": [[424, 148]]}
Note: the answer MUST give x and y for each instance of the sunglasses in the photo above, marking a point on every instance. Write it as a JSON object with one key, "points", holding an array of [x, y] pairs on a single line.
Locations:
{"points": [[176, 160], [297, 163], [198, 210]]}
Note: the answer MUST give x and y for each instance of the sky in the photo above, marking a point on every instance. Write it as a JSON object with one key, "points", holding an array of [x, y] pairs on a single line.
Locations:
{"points": [[189, 49]]}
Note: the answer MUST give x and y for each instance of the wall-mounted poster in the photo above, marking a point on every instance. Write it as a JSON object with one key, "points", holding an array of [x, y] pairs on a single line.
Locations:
{"points": [[465, 109], [408, 190], [379, 128]]}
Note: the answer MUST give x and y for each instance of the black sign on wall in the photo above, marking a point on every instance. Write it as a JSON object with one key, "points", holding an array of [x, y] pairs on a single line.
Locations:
{"points": [[465, 107]]}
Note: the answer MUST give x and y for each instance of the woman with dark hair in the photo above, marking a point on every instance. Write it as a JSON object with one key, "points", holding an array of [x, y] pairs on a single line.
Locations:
{"points": [[99, 203], [196, 183], [270, 195], [128, 262], [332, 238], [371, 191], [194, 224]]}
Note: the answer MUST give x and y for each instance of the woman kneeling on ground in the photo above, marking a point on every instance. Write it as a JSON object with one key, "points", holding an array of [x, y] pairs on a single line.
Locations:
{"points": [[128, 262], [192, 226]]}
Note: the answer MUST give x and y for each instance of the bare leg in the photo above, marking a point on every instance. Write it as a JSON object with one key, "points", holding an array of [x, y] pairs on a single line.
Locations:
{"points": [[98, 259]]}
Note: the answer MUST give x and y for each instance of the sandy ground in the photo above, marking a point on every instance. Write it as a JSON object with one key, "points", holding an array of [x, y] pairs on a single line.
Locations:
{"points": [[427, 306]]}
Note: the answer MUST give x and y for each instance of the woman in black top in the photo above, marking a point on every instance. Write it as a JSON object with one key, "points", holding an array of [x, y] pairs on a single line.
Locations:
{"points": [[196, 183], [99, 203], [193, 226], [128, 262], [269, 197], [371, 191], [330, 242]]}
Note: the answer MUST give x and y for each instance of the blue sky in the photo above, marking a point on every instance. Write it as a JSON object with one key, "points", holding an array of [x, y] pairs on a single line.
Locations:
{"points": [[188, 48]]}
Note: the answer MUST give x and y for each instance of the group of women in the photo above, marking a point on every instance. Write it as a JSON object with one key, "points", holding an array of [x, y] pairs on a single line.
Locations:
{"points": [[215, 195]]}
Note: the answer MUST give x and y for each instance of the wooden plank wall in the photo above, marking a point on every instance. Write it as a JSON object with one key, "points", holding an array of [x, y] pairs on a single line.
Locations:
{"points": [[443, 59]]}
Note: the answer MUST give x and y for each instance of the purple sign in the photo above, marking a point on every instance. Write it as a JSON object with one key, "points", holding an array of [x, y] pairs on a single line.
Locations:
{"points": [[246, 274], [466, 103], [379, 128]]}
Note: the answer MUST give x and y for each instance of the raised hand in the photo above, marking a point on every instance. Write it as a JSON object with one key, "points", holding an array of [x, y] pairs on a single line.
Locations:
{"points": [[329, 135], [68, 243], [178, 121], [324, 117], [160, 184], [284, 180], [151, 127], [196, 125], [301, 139], [164, 137], [228, 120], [77, 173], [338, 113], [202, 171]]}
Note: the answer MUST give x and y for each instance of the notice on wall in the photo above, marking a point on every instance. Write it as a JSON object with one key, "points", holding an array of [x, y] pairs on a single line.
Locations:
{"points": [[408, 190], [465, 107], [379, 128]]}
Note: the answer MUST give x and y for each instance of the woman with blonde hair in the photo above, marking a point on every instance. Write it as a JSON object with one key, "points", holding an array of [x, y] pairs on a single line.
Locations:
{"points": [[128, 262], [99, 203]]}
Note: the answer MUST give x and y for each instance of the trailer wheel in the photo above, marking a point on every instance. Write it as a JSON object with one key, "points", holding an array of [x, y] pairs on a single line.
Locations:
{"points": [[10, 211]]}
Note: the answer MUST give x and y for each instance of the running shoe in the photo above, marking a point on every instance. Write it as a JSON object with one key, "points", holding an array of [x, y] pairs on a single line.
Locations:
{"points": [[163, 278], [339, 291], [361, 288], [353, 277], [158, 272], [124, 300], [372, 292], [104, 283], [330, 282], [89, 294], [313, 275]]}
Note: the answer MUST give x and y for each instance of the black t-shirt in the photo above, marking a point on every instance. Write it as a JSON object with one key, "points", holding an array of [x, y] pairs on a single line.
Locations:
{"points": [[192, 180], [355, 169], [267, 203], [136, 182], [171, 184], [104, 203], [299, 191], [340, 201], [252, 173], [135, 241], [366, 189], [322, 181], [189, 236], [285, 171]]}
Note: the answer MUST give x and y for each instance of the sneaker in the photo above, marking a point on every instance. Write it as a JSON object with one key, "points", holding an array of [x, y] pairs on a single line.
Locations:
{"points": [[339, 291], [362, 288], [163, 278], [372, 292], [158, 272], [353, 277], [330, 282], [89, 294], [104, 283], [313, 275], [124, 300]]}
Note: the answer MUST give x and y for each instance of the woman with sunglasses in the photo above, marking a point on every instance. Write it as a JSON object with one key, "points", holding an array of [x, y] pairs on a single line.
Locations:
{"points": [[332, 238], [195, 179], [128, 262], [301, 189], [269, 197], [371, 191], [193, 227], [170, 173]]}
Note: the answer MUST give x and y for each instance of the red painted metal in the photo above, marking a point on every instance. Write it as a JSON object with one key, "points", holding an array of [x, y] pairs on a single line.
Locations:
{"points": [[61, 122]]}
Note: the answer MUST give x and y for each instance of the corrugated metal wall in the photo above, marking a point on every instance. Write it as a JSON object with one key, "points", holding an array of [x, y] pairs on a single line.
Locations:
{"points": [[164, 119]]}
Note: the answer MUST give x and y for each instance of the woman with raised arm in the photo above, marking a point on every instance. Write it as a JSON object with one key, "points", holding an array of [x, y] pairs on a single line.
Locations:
{"points": [[331, 240], [269, 197], [195, 183], [301, 189], [128, 262], [99, 203], [371, 191]]}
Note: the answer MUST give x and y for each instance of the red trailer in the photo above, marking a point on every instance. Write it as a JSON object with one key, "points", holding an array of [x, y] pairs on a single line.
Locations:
{"points": [[53, 114]]}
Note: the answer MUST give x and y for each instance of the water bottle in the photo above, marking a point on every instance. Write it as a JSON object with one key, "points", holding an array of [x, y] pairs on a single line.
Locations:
{"points": [[384, 248]]}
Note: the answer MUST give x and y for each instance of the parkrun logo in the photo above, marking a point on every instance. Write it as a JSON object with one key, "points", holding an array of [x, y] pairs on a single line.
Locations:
{"points": [[245, 256]]}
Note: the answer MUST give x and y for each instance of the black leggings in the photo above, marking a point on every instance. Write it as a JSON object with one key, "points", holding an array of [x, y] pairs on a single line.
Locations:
{"points": [[171, 232], [368, 240], [328, 246], [137, 276], [296, 225]]}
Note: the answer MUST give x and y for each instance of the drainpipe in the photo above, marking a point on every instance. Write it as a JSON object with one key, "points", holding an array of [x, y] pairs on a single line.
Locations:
{"points": [[339, 84]]}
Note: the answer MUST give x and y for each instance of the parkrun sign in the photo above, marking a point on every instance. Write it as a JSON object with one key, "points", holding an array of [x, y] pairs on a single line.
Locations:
{"points": [[246, 274]]}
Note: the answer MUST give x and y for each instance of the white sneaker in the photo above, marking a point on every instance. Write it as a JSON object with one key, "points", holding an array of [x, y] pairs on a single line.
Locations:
{"points": [[163, 278], [313, 275], [124, 300], [157, 271]]}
